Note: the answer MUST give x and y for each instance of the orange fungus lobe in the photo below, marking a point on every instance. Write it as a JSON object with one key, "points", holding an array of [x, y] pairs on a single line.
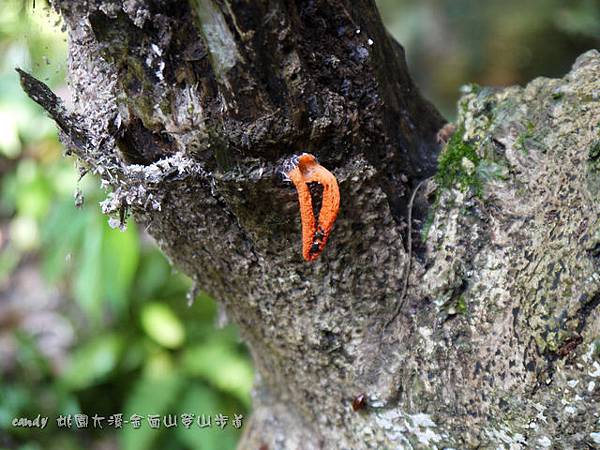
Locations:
{"points": [[319, 198]]}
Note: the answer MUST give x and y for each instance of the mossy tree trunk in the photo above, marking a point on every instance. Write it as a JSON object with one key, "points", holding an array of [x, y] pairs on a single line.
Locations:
{"points": [[187, 111]]}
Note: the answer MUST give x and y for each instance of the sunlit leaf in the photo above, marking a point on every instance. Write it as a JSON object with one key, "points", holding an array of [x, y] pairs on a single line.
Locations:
{"points": [[162, 325], [34, 192], [24, 233], [221, 365], [10, 145]]}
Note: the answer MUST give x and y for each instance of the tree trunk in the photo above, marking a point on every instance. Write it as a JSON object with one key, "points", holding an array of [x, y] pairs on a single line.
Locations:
{"points": [[188, 110]]}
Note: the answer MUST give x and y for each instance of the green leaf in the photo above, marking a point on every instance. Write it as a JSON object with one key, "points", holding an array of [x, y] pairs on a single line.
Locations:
{"points": [[162, 325], [120, 258], [223, 366], [150, 395], [62, 235], [13, 398], [93, 362], [34, 192], [87, 287], [202, 400], [153, 273]]}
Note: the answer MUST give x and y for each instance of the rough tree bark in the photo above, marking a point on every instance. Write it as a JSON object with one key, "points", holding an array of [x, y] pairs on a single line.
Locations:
{"points": [[187, 111]]}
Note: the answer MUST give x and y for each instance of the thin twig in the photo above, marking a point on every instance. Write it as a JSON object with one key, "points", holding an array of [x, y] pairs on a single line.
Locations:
{"points": [[409, 251]]}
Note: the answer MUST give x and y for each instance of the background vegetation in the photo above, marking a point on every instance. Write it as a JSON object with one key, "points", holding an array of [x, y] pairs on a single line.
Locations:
{"points": [[94, 320]]}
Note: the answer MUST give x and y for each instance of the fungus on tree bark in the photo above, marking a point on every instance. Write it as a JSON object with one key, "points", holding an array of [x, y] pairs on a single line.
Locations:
{"points": [[205, 100]]}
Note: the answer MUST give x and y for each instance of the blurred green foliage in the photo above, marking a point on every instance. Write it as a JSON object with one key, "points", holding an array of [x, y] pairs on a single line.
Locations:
{"points": [[94, 320], [133, 345], [492, 43]]}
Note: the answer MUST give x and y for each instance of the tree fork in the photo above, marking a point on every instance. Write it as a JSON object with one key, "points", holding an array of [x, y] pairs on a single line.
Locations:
{"points": [[188, 110]]}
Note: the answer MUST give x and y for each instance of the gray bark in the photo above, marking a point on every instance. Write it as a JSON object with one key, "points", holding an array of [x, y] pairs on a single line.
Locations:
{"points": [[188, 110]]}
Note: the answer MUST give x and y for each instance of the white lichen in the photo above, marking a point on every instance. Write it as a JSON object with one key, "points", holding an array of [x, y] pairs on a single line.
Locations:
{"points": [[544, 442], [220, 41]]}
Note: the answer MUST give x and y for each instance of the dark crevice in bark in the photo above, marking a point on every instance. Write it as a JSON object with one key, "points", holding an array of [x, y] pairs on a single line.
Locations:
{"points": [[138, 145], [584, 313], [572, 340]]}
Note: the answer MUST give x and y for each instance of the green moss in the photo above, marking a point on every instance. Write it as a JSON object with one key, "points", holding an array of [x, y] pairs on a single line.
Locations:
{"points": [[122, 43], [461, 305], [552, 342], [457, 165], [530, 128], [523, 137], [139, 91], [594, 156], [165, 106]]}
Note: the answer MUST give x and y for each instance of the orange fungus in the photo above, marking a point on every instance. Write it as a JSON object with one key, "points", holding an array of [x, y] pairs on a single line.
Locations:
{"points": [[319, 198]]}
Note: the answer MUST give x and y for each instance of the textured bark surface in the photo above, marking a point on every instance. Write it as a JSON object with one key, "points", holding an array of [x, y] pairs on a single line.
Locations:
{"points": [[188, 110]]}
